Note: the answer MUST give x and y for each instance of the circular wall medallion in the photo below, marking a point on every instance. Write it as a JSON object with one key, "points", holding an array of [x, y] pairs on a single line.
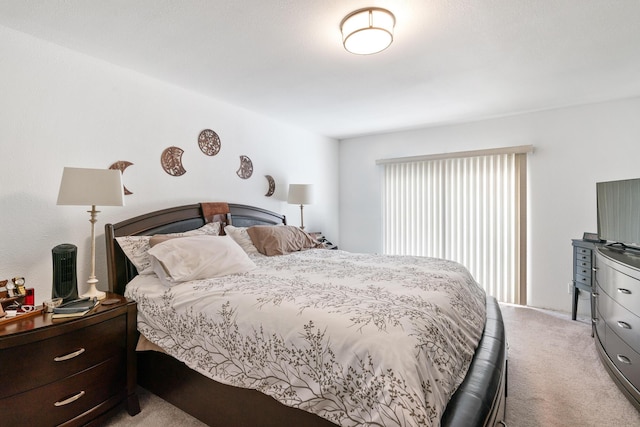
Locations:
{"points": [[272, 185], [209, 142], [171, 161], [121, 165], [246, 168]]}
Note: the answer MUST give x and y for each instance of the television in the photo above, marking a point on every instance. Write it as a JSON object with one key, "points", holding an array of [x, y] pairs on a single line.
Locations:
{"points": [[619, 212]]}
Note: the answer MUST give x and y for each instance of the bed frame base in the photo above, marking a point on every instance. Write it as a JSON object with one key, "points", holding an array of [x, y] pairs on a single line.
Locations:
{"points": [[479, 401], [213, 403]]}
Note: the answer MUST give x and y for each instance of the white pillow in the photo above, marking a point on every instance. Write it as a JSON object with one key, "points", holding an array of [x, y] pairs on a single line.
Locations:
{"points": [[241, 237], [200, 257], [136, 247]]}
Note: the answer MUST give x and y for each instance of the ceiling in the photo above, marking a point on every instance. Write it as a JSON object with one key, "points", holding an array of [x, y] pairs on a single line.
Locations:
{"points": [[451, 60]]}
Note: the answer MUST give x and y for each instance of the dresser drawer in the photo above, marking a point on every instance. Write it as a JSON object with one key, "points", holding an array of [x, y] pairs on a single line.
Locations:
{"points": [[621, 321], [583, 251], [626, 360], [583, 257], [583, 264], [585, 281], [583, 268], [600, 323], [52, 359], [68, 398], [623, 288]]}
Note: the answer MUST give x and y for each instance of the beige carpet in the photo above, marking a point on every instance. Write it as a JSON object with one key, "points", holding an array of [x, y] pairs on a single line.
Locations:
{"points": [[555, 379], [555, 375]]}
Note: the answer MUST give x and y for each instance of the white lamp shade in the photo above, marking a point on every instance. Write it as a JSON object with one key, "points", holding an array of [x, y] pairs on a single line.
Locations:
{"points": [[91, 187], [300, 194], [367, 31]]}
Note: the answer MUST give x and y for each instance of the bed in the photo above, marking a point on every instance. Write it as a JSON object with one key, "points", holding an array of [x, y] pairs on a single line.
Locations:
{"points": [[476, 399]]}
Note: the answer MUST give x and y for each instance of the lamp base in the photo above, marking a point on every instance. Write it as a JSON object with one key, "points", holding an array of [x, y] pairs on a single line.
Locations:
{"points": [[93, 292]]}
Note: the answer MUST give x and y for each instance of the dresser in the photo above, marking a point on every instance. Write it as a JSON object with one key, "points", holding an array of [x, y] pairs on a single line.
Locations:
{"points": [[583, 253], [69, 371], [617, 318]]}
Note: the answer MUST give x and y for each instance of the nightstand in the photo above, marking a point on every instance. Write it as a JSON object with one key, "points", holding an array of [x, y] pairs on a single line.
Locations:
{"points": [[69, 371]]}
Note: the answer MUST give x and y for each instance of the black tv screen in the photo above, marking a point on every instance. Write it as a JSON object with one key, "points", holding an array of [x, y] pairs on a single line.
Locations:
{"points": [[619, 211]]}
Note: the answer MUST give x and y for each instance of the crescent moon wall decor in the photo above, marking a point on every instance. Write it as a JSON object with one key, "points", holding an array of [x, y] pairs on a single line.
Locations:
{"points": [[209, 142], [121, 165], [272, 185], [171, 160], [246, 168]]}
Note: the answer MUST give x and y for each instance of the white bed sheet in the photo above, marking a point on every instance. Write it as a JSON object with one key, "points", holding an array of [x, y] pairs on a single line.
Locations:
{"points": [[358, 339]]}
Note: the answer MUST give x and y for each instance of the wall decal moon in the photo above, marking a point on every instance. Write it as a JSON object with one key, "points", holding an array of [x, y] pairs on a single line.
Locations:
{"points": [[246, 168], [121, 165], [209, 142], [272, 185], [171, 160]]}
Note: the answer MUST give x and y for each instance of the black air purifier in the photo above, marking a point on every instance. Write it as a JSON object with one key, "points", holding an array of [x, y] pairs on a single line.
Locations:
{"points": [[65, 283]]}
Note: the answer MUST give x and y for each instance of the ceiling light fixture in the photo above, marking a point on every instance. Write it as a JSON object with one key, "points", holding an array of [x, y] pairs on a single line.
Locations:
{"points": [[366, 31]]}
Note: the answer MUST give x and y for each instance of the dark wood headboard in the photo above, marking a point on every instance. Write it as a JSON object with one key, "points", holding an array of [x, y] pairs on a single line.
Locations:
{"points": [[172, 220]]}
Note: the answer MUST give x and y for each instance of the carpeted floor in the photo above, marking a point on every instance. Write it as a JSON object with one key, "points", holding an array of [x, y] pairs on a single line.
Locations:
{"points": [[555, 375], [555, 379]]}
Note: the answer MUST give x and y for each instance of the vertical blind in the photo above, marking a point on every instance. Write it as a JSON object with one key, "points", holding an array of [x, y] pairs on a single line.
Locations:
{"points": [[467, 209]]}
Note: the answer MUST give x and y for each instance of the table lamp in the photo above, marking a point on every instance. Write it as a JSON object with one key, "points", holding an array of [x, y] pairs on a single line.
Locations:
{"points": [[300, 194], [91, 187]]}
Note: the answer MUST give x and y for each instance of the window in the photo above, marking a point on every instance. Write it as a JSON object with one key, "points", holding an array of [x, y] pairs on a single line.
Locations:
{"points": [[468, 207]]}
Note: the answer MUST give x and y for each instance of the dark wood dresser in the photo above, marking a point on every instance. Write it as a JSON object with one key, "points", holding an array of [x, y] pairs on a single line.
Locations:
{"points": [[69, 371]]}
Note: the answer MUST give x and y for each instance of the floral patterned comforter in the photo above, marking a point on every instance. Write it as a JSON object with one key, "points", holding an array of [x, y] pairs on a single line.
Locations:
{"points": [[358, 339]]}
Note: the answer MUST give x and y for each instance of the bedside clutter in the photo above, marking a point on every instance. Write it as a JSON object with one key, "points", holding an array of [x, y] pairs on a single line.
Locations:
{"points": [[322, 239]]}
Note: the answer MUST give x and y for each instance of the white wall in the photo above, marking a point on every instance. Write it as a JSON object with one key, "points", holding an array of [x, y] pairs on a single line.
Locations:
{"points": [[60, 108], [574, 148]]}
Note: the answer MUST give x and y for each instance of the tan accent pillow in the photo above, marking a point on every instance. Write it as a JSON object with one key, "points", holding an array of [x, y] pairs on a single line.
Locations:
{"points": [[159, 238], [280, 240]]}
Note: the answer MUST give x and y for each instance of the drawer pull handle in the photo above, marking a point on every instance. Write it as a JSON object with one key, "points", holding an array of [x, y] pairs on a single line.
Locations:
{"points": [[69, 356], [74, 398], [595, 294], [624, 325], [624, 291], [623, 359]]}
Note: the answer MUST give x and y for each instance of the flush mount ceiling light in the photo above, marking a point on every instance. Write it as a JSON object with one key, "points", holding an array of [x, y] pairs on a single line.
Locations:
{"points": [[369, 30]]}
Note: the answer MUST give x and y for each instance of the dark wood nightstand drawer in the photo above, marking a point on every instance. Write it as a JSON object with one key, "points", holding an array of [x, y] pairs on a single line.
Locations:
{"points": [[52, 359], [66, 399]]}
